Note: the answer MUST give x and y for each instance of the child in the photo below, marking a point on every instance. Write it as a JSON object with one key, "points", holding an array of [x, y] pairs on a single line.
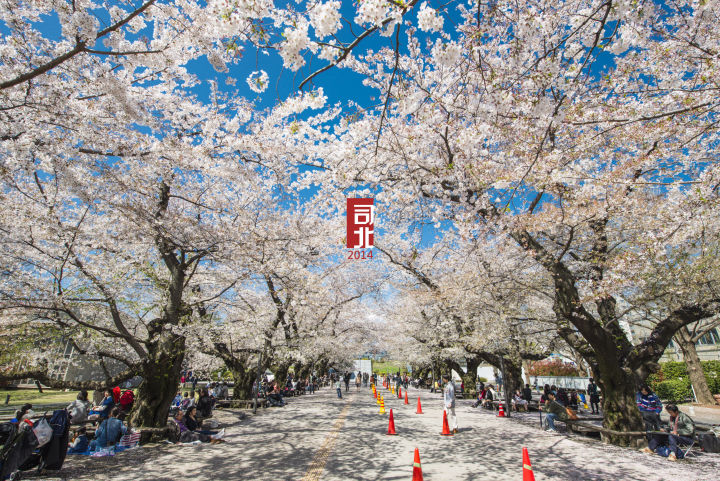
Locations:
{"points": [[80, 443], [338, 388]]}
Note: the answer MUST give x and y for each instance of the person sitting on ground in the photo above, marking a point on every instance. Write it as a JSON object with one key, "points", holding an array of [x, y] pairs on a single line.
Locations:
{"points": [[681, 433], [80, 442], [188, 435], [109, 432], [193, 423], [553, 410], [562, 397], [177, 400], [78, 409], [527, 393], [650, 407], [103, 410], [205, 404], [518, 402]]}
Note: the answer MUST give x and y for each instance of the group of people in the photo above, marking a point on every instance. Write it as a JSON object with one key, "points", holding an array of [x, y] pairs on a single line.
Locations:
{"points": [[680, 431], [189, 423], [82, 410], [558, 404], [204, 403]]}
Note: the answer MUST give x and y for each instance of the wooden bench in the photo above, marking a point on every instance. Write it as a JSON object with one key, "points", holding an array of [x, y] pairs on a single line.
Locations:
{"points": [[241, 403]]}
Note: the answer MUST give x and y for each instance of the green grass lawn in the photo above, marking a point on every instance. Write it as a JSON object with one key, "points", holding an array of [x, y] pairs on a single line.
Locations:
{"points": [[383, 366], [33, 396]]}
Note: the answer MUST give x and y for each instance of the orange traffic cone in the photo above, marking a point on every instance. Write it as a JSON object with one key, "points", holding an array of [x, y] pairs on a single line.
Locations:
{"points": [[399, 393], [527, 467], [501, 411], [446, 428], [391, 425], [382, 405], [419, 408], [417, 469], [406, 399]]}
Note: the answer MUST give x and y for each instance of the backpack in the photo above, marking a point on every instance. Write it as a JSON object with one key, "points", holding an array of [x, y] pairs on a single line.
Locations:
{"points": [[710, 443], [127, 399], [53, 453]]}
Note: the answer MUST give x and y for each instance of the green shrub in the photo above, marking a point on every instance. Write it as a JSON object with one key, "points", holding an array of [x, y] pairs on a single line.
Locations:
{"points": [[673, 371], [674, 390], [712, 374]]}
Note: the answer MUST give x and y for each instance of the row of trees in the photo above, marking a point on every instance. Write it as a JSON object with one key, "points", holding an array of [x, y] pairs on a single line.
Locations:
{"points": [[566, 151]]}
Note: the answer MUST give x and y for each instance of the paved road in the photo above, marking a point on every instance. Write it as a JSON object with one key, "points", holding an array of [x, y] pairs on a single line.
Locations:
{"points": [[319, 437]]}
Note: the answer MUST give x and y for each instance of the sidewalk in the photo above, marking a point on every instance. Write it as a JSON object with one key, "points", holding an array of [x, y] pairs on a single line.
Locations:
{"points": [[320, 437]]}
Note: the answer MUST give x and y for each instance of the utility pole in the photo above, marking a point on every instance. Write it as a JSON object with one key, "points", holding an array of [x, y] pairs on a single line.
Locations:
{"points": [[257, 381], [506, 391]]}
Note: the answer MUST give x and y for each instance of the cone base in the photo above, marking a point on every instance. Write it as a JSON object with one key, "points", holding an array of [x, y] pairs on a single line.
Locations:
{"points": [[451, 434], [391, 434]]}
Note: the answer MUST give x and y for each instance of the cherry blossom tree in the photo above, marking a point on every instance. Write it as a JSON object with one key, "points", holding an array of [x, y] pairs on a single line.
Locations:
{"points": [[566, 127]]}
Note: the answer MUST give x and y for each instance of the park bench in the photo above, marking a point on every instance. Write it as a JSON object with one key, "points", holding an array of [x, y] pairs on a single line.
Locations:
{"points": [[241, 403]]}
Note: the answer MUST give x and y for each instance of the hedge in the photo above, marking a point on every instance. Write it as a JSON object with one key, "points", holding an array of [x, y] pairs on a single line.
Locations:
{"points": [[672, 381], [676, 390]]}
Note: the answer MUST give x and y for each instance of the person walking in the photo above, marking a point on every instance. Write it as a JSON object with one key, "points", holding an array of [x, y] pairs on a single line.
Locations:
{"points": [[338, 387], [358, 380], [347, 382], [592, 391], [449, 398]]}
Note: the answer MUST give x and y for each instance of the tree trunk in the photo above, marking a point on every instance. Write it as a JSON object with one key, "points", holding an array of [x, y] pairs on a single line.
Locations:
{"points": [[281, 373], [620, 412], [161, 376], [321, 368], [694, 368], [243, 379], [468, 377], [526, 365], [513, 375], [302, 371]]}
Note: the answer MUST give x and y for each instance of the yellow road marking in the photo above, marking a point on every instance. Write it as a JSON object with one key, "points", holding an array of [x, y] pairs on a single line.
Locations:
{"points": [[317, 466]]}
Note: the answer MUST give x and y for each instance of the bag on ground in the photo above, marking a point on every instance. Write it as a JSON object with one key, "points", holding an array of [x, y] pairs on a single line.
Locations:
{"points": [[43, 432], [710, 443], [571, 414]]}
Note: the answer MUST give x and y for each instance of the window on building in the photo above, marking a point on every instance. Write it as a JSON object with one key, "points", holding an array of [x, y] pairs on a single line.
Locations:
{"points": [[712, 337]]}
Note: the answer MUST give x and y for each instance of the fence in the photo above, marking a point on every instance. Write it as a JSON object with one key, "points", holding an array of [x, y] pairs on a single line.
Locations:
{"points": [[567, 382]]}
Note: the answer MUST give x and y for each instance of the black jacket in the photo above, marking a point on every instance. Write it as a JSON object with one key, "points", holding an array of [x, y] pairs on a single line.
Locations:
{"points": [[527, 394], [204, 406], [190, 423]]}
